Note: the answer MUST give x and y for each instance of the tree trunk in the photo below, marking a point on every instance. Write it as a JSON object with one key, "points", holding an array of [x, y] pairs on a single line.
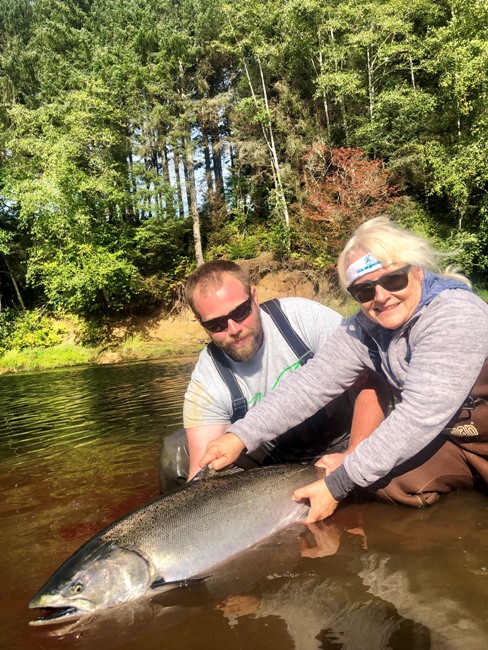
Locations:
{"points": [[15, 284], [170, 197], [186, 174], [207, 153], [341, 95], [370, 83], [192, 202], [131, 210], [217, 160], [412, 73], [272, 148], [267, 130], [180, 189], [324, 96]]}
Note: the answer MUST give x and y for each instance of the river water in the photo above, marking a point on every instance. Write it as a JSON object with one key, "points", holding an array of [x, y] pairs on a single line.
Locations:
{"points": [[79, 448]]}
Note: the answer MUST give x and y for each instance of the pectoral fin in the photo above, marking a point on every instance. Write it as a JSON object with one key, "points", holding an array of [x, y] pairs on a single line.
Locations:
{"points": [[161, 583]]}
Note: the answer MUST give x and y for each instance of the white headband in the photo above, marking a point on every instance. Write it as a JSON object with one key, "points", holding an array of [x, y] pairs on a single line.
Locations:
{"points": [[366, 264]]}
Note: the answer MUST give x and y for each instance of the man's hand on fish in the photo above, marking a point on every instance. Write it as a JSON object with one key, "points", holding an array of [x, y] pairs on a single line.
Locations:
{"points": [[330, 462], [222, 452], [322, 503]]}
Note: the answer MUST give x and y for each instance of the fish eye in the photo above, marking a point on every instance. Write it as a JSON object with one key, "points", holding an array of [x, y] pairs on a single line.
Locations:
{"points": [[76, 587]]}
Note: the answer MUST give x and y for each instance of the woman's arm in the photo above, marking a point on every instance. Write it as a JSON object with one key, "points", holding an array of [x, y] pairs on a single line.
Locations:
{"points": [[332, 371]]}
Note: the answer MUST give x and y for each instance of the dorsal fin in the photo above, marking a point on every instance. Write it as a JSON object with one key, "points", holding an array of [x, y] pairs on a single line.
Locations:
{"points": [[207, 472]]}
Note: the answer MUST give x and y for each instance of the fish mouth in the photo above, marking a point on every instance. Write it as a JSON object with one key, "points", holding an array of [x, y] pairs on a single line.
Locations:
{"points": [[49, 615]]}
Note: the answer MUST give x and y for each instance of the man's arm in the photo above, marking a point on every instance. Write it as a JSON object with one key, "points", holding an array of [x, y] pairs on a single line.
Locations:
{"points": [[198, 437]]}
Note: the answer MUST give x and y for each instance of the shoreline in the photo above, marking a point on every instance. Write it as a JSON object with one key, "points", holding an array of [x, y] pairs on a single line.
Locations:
{"points": [[72, 355], [161, 336]]}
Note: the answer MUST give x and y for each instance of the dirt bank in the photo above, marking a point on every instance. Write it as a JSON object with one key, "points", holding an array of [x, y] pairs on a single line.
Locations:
{"points": [[179, 333]]}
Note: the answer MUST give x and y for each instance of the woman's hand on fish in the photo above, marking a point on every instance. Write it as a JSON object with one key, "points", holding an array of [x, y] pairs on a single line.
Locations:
{"points": [[330, 462], [223, 451], [322, 503]]}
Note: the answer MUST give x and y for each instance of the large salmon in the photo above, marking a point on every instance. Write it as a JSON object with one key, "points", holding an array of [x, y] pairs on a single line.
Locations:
{"points": [[175, 539]]}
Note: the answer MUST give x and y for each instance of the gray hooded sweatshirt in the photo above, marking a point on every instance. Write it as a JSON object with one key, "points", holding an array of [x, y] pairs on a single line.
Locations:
{"points": [[433, 360]]}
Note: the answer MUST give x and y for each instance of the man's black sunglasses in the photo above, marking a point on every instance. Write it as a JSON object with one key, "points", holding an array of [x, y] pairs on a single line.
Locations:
{"points": [[396, 280], [238, 314]]}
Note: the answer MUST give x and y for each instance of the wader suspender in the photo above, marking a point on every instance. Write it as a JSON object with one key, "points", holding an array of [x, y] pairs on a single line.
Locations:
{"points": [[303, 353], [239, 402]]}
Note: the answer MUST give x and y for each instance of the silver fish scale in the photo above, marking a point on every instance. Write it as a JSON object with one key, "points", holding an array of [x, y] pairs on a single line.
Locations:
{"points": [[184, 534]]}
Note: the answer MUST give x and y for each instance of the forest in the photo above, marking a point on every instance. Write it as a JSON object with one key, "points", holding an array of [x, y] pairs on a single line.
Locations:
{"points": [[138, 139]]}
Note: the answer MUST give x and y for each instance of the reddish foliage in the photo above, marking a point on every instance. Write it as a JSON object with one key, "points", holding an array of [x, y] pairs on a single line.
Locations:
{"points": [[344, 189]]}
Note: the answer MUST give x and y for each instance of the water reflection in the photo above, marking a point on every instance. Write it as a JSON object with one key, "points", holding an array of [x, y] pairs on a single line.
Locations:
{"points": [[404, 583], [79, 448], [78, 406]]}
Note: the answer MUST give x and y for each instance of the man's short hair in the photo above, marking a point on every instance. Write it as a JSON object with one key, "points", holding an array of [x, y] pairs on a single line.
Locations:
{"points": [[209, 276]]}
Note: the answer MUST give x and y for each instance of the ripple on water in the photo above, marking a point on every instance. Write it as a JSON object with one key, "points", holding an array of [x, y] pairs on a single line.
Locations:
{"points": [[51, 413]]}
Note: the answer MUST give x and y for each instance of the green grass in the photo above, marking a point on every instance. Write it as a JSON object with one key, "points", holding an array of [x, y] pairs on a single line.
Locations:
{"points": [[482, 293], [70, 354], [62, 355]]}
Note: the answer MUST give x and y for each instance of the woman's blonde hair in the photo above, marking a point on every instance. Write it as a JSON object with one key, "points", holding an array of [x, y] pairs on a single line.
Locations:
{"points": [[391, 243]]}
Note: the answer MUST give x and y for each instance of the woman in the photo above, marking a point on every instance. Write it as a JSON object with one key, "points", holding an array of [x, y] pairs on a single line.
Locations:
{"points": [[428, 334]]}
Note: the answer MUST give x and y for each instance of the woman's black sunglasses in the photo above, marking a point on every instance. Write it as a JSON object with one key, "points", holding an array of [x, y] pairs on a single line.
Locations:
{"points": [[238, 314], [396, 280]]}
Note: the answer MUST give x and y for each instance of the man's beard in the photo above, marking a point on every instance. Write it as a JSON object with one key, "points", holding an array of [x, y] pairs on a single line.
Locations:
{"points": [[247, 352]]}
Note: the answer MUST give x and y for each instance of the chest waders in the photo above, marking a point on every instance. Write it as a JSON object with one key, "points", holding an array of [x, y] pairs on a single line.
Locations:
{"points": [[304, 443], [456, 459]]}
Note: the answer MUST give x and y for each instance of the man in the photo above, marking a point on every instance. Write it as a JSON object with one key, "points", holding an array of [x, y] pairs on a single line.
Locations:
{"points": [[253, 349]]}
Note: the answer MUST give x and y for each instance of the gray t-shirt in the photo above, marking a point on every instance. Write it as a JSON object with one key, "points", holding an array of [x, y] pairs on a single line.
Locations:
{"points": [[208, 400]]}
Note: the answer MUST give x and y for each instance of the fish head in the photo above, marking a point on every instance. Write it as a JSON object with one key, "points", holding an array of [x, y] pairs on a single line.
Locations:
{"points": [[98, 576]]}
